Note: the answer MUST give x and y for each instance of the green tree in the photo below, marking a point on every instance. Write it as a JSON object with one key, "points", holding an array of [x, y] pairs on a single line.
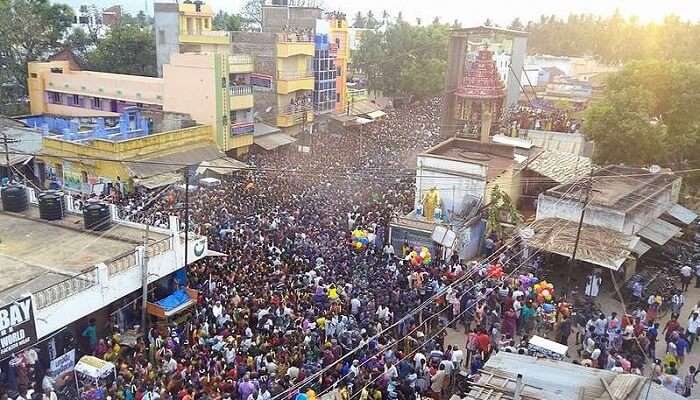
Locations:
{"points": [[371, 22], [649, 115], [224, 21], [501, 209], [29, 31], [252, 14], [360, 21], [516, 25], [79, 42], [405, 59], [126, 49]]}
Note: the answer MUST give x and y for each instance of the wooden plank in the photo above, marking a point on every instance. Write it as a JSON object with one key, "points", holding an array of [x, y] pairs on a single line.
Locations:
{"points": [[607, 389]]}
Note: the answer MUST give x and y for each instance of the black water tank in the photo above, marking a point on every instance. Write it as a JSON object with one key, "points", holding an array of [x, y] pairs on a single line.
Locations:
{"points": [[97, 217], [14, 198], [51, 206]]}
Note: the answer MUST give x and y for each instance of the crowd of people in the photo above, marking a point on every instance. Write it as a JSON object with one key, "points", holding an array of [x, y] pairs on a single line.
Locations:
{"points": [[294, 311], [523, 117]]}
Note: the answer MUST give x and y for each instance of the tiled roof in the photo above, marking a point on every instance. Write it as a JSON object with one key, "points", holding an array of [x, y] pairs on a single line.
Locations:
{"points": [[560, 167]]}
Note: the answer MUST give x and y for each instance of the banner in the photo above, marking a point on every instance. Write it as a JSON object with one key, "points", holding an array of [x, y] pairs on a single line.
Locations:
{"points": [[261, 81], [63, 363], [17, 328]]}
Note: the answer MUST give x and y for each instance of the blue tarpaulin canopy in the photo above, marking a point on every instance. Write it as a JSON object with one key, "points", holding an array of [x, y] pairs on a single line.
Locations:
{"points": [[175, 300]]}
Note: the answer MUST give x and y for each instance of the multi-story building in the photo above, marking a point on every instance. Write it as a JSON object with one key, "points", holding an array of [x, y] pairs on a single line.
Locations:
{"points": [[186, 27], [339, 46], [213, 88], [283, 80], [325, 94]]}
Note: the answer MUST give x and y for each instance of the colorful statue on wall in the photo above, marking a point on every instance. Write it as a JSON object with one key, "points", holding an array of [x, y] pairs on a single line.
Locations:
{"points": [[431, 200]]}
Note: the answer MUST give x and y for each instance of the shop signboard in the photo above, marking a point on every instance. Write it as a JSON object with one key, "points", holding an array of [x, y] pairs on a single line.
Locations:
{"points": [[17, 327], [63, 363], [72, 177]]}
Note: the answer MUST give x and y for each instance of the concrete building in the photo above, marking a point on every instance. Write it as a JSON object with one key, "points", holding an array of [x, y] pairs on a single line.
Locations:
{"points": [[283, 81], [64, 274], [186, 27], [279, 17], [464, 45], [340, 45], [623, 217], [217, 91], [99, 155], [325, 97]]}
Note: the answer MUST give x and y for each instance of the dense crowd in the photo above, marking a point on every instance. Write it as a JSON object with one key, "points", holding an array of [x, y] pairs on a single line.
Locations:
{"points": [[293, 311], [523, 117]]}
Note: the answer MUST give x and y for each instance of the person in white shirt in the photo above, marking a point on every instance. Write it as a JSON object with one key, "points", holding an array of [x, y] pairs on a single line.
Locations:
{"points": [[457, 358], [693, 327], [686, 276]]}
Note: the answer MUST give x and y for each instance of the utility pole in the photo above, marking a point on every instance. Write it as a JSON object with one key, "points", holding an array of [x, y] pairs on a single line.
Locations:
{"points": [[572, 260], [6, 141], [144, 284], [187, 212]]}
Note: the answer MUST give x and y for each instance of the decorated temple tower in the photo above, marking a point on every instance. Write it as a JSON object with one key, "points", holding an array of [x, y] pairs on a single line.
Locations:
{"points": [[480, 97]]}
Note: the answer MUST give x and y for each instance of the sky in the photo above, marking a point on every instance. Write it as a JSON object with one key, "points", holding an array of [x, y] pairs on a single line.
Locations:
{"points": [[469, 12]]}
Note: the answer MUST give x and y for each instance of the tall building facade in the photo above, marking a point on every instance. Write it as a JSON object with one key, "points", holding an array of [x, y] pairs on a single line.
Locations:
{"points": [[340, 46], [325, 72]]}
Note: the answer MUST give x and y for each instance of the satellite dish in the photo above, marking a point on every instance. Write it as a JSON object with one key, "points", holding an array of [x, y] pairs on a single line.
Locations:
{"points": [[654, 169], [268, 109]]}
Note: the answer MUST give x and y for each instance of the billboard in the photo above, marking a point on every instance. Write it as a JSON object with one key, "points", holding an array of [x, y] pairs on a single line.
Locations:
{"points": [[17, 327]]}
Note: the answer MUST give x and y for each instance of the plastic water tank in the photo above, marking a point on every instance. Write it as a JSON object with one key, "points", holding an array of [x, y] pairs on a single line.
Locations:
{"points": [[97, 217], [14, 198], [51, 206]]}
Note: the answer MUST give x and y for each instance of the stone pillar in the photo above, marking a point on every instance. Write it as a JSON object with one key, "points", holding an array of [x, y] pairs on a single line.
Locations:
{"points": [[456, 56]]}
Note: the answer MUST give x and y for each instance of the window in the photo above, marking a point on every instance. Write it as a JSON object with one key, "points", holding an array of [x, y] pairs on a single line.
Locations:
{"points": [[83, 176], [57, 70], [55, 98], [34, 75], [97, 103], [75, 100]]}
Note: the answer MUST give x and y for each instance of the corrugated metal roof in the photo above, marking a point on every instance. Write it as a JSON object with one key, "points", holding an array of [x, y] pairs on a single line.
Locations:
{"points": [[682, 214], [562, 380], [659, 231], [273, 141], [173, 161], [560, 167]]}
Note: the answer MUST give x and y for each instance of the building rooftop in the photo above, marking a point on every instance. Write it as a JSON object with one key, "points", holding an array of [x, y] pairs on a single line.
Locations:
{"points": [[546, 379], [132, 123], [497, 157], [36, 254], [619, 187], [560, 167]]}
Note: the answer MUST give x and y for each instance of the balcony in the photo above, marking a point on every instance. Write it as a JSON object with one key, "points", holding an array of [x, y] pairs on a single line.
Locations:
{"points": [[206, 37], [240, 64], [241, 97], [290, 45], [242, 128], [286, 120], [292, 81]]}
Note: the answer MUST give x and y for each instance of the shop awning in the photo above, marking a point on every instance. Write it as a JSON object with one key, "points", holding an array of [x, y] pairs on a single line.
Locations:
{"points": [[273, 141], [682, 214], [600, 246], [160, 180], [376, 114], [363, 107], [361, 121], [264, 129], [640, 248], [212, 253], [659, 231], [222, 166], [174, 161]]}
